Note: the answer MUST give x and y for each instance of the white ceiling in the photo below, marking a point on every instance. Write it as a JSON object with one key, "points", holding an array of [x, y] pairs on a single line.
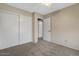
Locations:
{"points": [[40, 8]]}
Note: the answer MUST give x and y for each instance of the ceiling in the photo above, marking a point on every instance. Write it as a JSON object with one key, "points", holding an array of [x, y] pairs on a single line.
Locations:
{"points": [[39, 7]]}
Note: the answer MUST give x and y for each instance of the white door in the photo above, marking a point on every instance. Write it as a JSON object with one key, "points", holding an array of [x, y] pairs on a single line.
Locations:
{"points": [[8, 30], [40, 28], [25, 29], [47, 29]]}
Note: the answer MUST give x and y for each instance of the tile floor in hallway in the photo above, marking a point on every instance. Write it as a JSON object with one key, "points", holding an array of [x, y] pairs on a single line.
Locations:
{"points": [[42, 48]]}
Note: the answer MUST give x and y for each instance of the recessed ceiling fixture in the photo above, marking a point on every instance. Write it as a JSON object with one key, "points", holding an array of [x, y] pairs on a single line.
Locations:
{"points": [[47, 4]]}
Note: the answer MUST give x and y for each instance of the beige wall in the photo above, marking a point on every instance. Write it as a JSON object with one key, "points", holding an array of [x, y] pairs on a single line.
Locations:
{"points": [[65, 27]]}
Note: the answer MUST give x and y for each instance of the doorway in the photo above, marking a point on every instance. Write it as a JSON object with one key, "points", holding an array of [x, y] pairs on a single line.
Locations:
{"points": [[40, 29]]}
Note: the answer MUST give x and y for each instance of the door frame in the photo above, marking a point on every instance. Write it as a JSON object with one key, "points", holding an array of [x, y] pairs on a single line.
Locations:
{"points": [[39, 19]]}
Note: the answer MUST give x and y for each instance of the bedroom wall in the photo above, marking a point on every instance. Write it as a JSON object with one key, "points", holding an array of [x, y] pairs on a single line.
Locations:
{"points": [[65, 27]]}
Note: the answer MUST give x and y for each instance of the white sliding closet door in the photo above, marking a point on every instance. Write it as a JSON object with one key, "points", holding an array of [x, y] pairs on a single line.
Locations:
{"points": [[8, 30], [25, 29]]}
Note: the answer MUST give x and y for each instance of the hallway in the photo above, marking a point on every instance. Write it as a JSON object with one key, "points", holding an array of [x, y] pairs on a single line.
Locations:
{"points": [[42, 48]]}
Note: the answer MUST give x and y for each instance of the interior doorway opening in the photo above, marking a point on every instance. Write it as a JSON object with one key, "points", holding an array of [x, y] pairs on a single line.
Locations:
{"points": [[40, 29]]}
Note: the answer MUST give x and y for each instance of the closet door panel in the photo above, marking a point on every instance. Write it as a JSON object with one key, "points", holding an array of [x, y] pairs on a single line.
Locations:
{"points": [[25, 29], [8, 30]]}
